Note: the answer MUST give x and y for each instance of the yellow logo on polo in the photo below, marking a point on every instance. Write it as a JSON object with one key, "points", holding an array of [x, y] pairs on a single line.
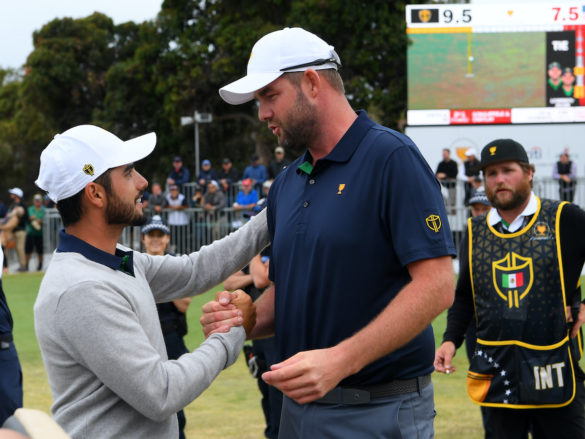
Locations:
{"points": [[340, 188], [88, 169], [434, 222], [493, 150], [424, 15]]}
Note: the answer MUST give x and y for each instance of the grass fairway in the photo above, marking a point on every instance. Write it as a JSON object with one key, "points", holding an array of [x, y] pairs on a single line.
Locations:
{"points": [[508, 70], [230, 408]]}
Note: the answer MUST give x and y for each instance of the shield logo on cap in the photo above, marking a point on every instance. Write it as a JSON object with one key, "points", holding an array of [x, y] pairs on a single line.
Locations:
{"points": [[88, 169], [513, 278]]}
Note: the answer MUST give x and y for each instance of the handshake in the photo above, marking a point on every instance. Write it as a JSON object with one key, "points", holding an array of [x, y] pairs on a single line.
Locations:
{"points": [[228, 310]]}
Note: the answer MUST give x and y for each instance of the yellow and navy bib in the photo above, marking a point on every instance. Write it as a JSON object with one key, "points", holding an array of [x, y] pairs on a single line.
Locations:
{"points": [[523, 354]]}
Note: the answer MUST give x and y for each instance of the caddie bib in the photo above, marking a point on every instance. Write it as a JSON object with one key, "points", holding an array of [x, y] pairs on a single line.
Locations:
{"points": [[523, 354]]}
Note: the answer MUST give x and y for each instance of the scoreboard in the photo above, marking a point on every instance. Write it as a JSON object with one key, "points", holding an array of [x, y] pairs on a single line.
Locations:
{"points": [[495, 63]]}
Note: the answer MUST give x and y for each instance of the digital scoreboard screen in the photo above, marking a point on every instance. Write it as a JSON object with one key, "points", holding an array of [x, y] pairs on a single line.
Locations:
{"points": [[495, 63]]}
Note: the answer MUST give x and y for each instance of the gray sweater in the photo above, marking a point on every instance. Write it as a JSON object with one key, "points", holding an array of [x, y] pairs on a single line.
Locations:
{"points": [[102, 344]]}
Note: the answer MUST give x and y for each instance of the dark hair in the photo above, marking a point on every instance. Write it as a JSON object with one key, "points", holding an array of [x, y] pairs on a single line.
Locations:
{"points": [[71, 208], [527, 167], [332, 76]]}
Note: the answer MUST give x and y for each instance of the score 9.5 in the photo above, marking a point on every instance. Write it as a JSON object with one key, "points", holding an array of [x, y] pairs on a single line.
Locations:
{"points": [[450, 17]]}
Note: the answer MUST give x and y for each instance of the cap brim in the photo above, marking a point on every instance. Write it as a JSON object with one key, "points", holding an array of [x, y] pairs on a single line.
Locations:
{"points": [[135, 149], [242, 90]]}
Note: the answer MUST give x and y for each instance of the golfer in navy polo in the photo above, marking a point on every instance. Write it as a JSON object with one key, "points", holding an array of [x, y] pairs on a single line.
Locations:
{"points": [[361, 259]]}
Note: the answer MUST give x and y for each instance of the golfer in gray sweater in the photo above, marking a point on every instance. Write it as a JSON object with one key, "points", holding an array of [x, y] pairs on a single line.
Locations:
{"points": [[95, 315]]}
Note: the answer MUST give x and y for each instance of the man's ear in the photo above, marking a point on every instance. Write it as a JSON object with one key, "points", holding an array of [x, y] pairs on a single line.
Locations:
{"points": [[311, 83], [95, 194]]}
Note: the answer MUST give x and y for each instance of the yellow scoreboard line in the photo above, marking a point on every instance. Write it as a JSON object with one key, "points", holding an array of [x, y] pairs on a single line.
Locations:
{"points": [[439, 30]]}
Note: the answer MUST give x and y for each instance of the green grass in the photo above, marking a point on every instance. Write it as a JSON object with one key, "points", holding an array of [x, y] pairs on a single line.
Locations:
{"points": [[230, 408], [508, 70]]}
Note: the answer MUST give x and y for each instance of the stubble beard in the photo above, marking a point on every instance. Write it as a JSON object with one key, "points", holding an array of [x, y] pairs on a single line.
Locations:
{"points": [[120, 212], [519, 196], [301, 124]]}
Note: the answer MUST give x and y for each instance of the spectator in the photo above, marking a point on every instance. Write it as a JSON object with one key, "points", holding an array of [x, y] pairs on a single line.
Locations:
{"points": [[173, 322], [10, 371], [565, 171], [471, 171], [179, 175], [197, 200], [253, 279], [479, 203], [278, 164], [447, 175], [227, 178], [255, 172], [34, 231], [49, 204], [213, 202], [247, 197], [214, 199], [206, 175], [156, 200], [178, 220], [14, 227]]}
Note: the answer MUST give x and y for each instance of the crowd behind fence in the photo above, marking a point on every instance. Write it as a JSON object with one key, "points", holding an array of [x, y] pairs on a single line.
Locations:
{"points": [[205, 227]]}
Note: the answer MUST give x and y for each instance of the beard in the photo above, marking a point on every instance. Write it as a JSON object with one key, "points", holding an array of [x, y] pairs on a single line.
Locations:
{"points": [[298, 130], [519, 196], [121, 212]]}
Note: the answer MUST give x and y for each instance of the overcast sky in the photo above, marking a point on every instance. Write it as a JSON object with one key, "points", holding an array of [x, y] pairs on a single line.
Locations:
{"points": [[19, 18]]}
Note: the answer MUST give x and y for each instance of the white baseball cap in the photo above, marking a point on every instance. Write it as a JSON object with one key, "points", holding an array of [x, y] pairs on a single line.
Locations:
{"points": [[470, 152], [287, 50], [16, 191], [83, 153]]}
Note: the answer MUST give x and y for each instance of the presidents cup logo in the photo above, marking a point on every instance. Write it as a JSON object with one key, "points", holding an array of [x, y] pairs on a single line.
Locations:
{"points": [[424, 15], [513, 278], [540, 232], [493, 150], [434, 223], [88, 169]]}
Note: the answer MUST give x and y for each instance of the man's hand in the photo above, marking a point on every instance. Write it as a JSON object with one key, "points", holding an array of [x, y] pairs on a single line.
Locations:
{"points": [[244, 303], [308, 375], [228, 310], [220, 314], [444, 357], [182, 304], [579, 322]]}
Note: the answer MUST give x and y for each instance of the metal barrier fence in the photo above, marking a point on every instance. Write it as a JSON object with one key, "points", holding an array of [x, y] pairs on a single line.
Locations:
{"points": [[203, 228]]}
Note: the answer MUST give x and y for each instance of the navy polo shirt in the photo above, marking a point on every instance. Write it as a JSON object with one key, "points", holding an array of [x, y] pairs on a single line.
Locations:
{"points": [[122, 260], [5, 316], [343, 233]]}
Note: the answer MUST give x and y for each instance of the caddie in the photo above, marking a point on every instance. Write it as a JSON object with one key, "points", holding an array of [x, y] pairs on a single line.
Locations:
{"points": [[519, 277]]}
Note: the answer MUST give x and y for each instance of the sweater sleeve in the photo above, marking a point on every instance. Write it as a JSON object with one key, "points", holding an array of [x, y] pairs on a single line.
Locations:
{"points": [[172, 277], [110, 341]]}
